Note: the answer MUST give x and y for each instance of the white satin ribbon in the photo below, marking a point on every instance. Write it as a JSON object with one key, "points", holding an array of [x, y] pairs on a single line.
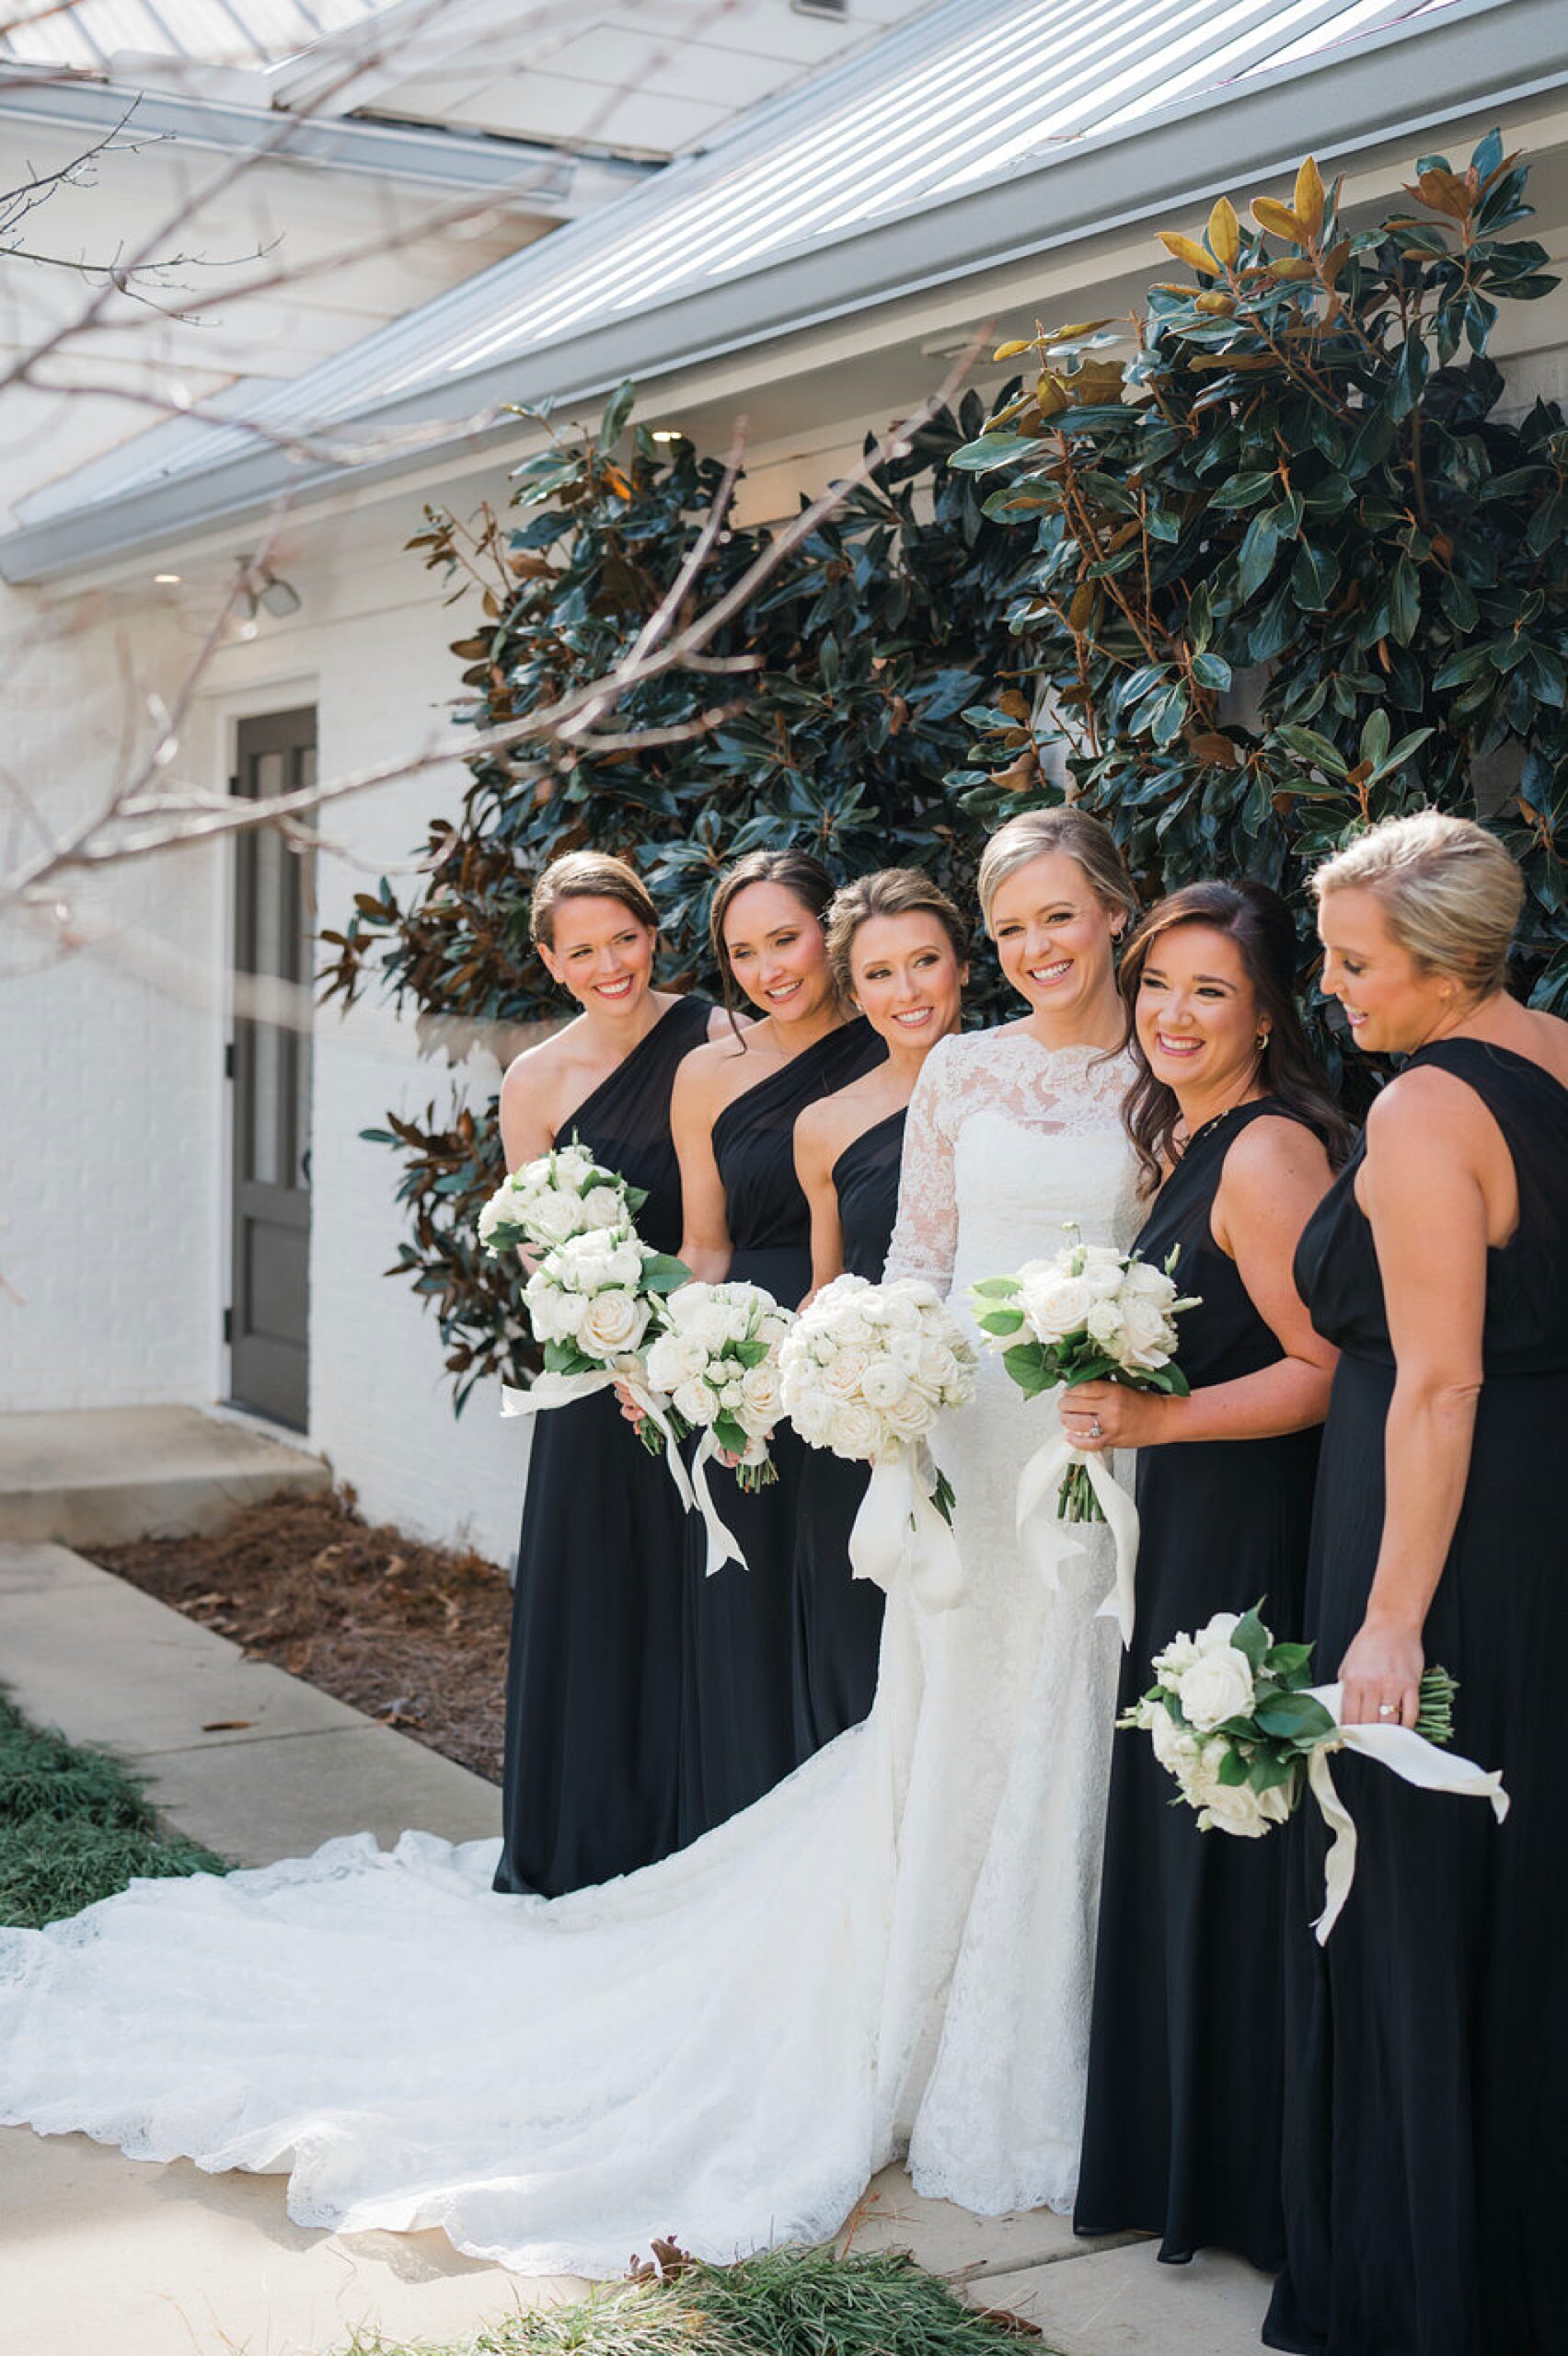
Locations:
{"points": [[721, 1544], [1047, 1542], [549, 1391], [1414, 1759], [899, 1535]]}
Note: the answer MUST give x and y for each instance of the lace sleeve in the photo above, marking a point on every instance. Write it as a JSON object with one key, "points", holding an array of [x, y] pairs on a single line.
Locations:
{"points": [[926, 1234]]}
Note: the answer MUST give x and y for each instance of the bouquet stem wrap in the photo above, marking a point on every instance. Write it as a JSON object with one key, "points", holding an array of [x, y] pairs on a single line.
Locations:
{"points": [[1411, 1757], [1047, 1542], [549, 1391], [900, 1534]]}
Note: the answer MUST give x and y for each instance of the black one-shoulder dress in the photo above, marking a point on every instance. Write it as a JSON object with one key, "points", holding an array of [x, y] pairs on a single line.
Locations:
{"points": [[839, 1629], [1426, 2044], [739, 1736], [1181, 2130], [592, 1694]]}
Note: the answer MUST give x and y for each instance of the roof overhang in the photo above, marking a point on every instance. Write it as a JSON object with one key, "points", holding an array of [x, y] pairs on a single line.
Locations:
{"points": [[1485, 59]]}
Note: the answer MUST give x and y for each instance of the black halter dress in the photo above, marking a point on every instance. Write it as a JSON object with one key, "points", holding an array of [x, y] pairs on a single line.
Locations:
{"points": [[1426, 2044], [1181, 2132], [594, 1684], [739, 1735], [839, 1629]]}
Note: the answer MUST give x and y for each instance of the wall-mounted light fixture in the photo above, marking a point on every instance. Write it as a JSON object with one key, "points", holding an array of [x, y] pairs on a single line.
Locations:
{"points": [[264, 591]]}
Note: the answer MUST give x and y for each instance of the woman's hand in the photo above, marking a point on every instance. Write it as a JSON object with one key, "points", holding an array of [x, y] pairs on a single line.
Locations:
{"points": [[1098, 1415], [635, 1416], [1381, 1674]]}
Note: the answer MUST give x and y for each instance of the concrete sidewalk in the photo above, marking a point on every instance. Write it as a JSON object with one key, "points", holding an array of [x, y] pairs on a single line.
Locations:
{"points": [[99, 2252], [90, 1476]]}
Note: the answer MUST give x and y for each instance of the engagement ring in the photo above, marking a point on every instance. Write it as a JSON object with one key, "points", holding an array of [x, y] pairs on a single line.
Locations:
{"points": [[1387, 1710]]}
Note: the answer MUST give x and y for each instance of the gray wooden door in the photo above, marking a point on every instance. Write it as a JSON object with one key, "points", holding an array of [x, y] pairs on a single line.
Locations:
{"points": [[268, 1319]]}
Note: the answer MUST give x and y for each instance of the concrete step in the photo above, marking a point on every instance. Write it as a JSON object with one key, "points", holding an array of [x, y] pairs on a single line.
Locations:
{"points": [[97, 1474]]}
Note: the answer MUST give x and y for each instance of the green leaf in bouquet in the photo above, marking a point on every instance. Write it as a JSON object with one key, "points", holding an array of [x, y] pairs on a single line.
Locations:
{"points": [[1233, 1769], [1168, 1378], [1288, 1661], [663, 1273], [730, 1436], [995, 1287], [1294, 1717], [943, 1497], [635, 1197], [751, 1353], [1001, 1320], [1268, 1771], [1250, 1638], [565, 1358], [1028, 1366]]}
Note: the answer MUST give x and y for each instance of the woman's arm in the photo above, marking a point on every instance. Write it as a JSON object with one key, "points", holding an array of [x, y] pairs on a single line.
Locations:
{"points": [[1426, 1201], [925, 1235], [527, 1106], [1275, 1176], [693, 1105], [816, 1149]]}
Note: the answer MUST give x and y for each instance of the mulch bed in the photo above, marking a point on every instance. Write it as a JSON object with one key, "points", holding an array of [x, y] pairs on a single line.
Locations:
{"points": [[414, 1635]]}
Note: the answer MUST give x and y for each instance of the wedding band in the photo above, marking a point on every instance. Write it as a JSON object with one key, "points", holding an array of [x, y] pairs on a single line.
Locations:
{"points": [[1388, 1709]]}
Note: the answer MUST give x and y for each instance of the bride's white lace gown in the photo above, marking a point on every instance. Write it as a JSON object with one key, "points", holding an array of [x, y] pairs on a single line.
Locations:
{"points": [[892, 1950]]}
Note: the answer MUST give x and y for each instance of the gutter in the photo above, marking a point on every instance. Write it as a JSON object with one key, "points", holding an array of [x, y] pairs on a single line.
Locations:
{"points": [[538, 178], [1394, 89]]}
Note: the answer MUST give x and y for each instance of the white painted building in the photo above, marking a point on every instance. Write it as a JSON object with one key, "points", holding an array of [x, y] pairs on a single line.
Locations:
{"points": [[749, 237]]}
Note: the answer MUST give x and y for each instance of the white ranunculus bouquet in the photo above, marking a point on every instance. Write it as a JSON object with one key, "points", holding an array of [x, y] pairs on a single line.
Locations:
{"points": [[867, 1370], [717, 1362], [1234, 1720], [1088, 1315], [564, 1193]]}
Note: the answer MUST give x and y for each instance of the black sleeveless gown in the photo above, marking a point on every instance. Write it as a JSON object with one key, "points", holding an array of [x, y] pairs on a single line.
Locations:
{"points": [[1426, 2086], [738, 1731], [1182, 2133], [839, 1630], [593, 1688]]}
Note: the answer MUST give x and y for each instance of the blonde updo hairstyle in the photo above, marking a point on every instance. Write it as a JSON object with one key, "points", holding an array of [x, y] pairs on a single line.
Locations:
{"points": [[891, 892], [1085, 839], [1450, 893], [588, 875]]}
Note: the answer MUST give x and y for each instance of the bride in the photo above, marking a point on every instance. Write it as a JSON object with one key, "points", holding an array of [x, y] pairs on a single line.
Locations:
{"points": [[891, 1952]]}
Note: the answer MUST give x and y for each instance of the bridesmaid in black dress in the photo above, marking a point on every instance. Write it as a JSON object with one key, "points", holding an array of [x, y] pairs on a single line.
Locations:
{"points": [[733, 1115], [592, 1745], [1234, 1124], [899, 952], [1426, 2102]]}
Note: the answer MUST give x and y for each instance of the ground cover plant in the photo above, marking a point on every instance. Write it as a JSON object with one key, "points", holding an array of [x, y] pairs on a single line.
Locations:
{"points": [[74, 1827], [415, 1635], [786, 2302]]}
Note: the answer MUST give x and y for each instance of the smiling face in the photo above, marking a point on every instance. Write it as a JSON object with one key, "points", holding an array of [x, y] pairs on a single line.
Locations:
{"points": [[602, 954], [907, 979], [1197, 1015], [1054, 937], [1392, 1003], [777, 954]]}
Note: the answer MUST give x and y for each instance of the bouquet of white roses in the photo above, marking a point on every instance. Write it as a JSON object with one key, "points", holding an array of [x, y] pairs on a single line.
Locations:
{"points": [[592, 1301], [563, 1193], [1233, 1718], [867, 1370], [717, 1364], [1088, 1314]]}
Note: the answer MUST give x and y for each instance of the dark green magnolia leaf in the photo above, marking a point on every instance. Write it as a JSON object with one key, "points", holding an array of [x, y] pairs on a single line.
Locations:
{"points": [[1211, 670], [1258, 551]]}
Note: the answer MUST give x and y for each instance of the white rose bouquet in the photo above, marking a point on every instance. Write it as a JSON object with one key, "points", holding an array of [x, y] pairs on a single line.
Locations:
{"points": [[1233, 1718], [717, 1362], [867, 1370], [1088, 1314], [592, 1301], [564, 1193]]}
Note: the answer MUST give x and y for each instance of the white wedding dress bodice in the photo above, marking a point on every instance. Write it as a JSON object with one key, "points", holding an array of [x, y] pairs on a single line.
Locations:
{"points": [[892, 1951]]}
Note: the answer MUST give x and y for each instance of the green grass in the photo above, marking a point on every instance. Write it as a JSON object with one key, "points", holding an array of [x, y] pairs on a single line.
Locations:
{"points": [[73, 1828], [786, 2302]]}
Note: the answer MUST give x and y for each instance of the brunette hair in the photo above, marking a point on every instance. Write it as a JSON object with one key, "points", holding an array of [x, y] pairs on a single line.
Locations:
{"points": [[1451, 893], [588, 875], [1258, 921], [1085, 839], [891, 892], [798, 871]]}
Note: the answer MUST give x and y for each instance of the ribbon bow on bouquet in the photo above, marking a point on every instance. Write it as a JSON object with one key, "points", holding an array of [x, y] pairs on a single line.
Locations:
{"points": [[1088, 1314]]}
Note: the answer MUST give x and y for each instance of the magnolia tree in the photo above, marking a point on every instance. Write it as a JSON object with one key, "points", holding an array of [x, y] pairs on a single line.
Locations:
{"points": [[825, 712], [1297, 564]]}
